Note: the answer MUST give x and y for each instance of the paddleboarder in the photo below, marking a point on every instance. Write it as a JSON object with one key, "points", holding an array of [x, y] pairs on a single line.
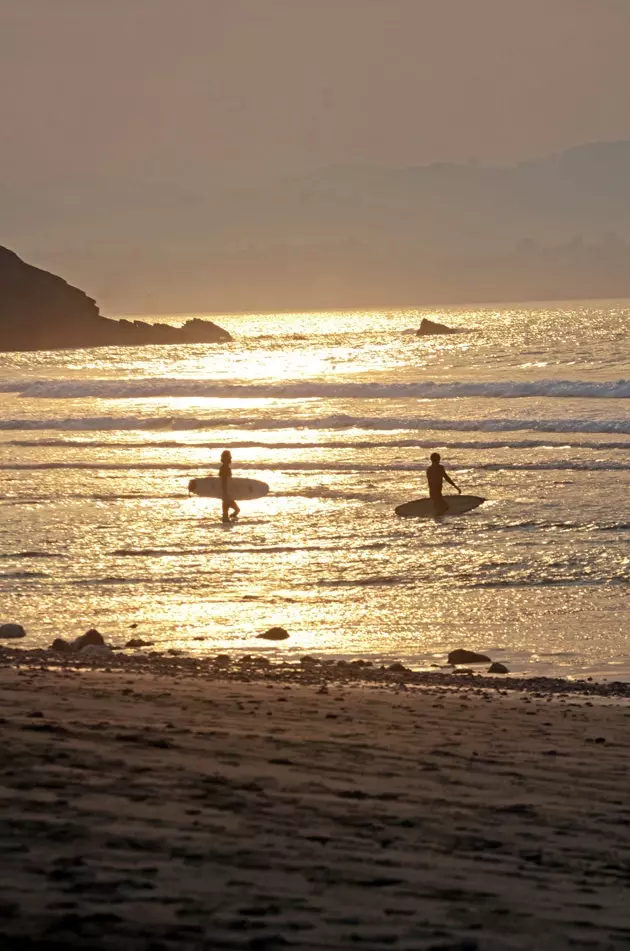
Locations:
{"points": [[436, 475]]}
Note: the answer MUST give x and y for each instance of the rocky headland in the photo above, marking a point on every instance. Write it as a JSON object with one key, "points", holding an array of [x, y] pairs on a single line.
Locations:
{"points": [[41, 311]]}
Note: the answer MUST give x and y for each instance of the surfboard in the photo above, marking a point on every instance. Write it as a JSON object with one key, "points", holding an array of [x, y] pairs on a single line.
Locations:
{"points": [[424, 508], [240, 489]]}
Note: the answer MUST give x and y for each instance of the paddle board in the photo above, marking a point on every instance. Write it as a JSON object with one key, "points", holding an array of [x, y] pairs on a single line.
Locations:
{"points": [[240, 489], [424, 508]]}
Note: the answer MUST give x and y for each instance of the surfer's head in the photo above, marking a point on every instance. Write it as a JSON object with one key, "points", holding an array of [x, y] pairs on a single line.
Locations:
{"points": [[226, 456], [435, 457]]}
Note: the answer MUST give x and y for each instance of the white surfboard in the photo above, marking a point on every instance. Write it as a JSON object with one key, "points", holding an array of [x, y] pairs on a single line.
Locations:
{"points": [[424, 508], [240, 489]]}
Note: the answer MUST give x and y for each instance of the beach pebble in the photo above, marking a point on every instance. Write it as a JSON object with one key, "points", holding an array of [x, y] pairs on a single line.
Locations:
{"points": [[60, 645], [12, 631], [95, 650], [138, 642], [398, 668], [91, 638], [498, 668], [274, 634], [467, 657], [223, 660]]}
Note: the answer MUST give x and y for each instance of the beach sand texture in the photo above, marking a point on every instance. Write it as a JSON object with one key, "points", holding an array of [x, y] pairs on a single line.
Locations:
{"points": [[143, 812]]}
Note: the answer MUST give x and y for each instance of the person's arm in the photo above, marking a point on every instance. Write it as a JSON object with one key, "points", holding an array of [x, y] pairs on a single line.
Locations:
{"points": [[450, 482]]}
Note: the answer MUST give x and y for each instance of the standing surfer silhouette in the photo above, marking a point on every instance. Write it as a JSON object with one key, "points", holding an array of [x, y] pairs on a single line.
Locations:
{"points": [[436, 475], [225, 476]]}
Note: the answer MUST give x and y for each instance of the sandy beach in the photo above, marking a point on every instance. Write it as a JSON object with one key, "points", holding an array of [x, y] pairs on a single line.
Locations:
{"points": [[146, 807]]}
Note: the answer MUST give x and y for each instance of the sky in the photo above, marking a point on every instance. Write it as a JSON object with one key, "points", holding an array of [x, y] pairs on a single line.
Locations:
{"points": [[228, 92]]}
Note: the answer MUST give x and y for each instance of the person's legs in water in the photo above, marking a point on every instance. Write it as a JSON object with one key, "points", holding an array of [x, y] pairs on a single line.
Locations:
{"points": [[439, 503], [227, 505]]}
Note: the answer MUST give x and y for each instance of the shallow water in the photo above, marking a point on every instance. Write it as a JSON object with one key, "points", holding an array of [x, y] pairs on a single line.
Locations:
{"points": [[338, 413]]}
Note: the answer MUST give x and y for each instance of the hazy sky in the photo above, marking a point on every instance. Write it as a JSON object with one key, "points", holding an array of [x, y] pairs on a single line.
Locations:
{"points": [[236, 90]]}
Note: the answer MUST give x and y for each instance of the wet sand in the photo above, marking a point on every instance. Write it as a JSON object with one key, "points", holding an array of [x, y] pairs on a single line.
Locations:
{"points": [[147, 808]]}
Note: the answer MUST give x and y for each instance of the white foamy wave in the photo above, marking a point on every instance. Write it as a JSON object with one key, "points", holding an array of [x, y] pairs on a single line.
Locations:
{"points": [[147, 388], [290, 466], [360, 444], [98, 423], [567, 425]]}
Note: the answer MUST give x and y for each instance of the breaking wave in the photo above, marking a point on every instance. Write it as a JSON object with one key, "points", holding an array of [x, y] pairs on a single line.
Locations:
{"points": [[147, 388], [620, 426], [359, 445]]}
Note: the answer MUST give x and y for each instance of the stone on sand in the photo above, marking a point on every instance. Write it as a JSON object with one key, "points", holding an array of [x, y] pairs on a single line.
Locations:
{"points": [[12, 631], [91, 638], [498, 668], [60, 645], [462, 656], [96, 650]]}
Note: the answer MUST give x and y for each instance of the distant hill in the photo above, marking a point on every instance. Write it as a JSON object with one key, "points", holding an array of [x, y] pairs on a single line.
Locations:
{"points": [[40, 311], [345, 236]]}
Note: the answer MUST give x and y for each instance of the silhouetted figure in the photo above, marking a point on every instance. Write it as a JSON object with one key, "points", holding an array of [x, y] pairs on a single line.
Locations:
{"points": [[436, 474], [225, 475]]}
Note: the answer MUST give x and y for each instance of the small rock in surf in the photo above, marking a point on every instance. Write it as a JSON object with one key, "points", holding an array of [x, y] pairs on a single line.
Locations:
{"points": [[498, 668], [274, 634], [467, 657], [428, 327]]}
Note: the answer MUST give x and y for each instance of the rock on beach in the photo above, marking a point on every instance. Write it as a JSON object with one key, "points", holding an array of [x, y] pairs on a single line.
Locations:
{"points": [[462, 656], [497, 668], [12, 631]]}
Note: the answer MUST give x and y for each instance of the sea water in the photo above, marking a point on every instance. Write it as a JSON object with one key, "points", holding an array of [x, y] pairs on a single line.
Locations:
{"points": [[338, 412]]}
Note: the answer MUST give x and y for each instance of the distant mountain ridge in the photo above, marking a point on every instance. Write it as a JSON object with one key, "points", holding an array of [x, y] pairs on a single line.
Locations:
{"points": [[345, 236], [40, 311]]}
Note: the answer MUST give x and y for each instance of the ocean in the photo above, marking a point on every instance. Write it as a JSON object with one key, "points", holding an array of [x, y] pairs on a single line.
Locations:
{"points": [[339, 413]]}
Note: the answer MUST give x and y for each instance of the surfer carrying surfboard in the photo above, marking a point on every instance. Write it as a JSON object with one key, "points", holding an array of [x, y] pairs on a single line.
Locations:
{"points": [[436, 475], [225, 477]]}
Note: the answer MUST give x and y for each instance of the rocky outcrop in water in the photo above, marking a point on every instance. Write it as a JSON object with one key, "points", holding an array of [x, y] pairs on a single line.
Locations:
{"points": [[40, 311], [428, 327]]}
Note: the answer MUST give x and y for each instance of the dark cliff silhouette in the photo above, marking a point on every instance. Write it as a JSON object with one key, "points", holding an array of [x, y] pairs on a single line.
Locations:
{"points": [[40, 311]]}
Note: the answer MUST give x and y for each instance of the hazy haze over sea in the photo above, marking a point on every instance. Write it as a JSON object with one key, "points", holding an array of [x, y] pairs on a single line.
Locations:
{"points": [[338, 413]]}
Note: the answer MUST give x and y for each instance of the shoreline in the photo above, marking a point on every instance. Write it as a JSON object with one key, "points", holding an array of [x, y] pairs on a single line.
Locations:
{"points": [[146, 808], [308, 671]]}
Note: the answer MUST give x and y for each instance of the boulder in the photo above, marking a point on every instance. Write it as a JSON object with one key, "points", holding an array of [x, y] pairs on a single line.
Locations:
{"points": [[11, 631], [467, 657], [497, 668], [428, 327], [91, 638], [274, 634], [63, 647]]}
